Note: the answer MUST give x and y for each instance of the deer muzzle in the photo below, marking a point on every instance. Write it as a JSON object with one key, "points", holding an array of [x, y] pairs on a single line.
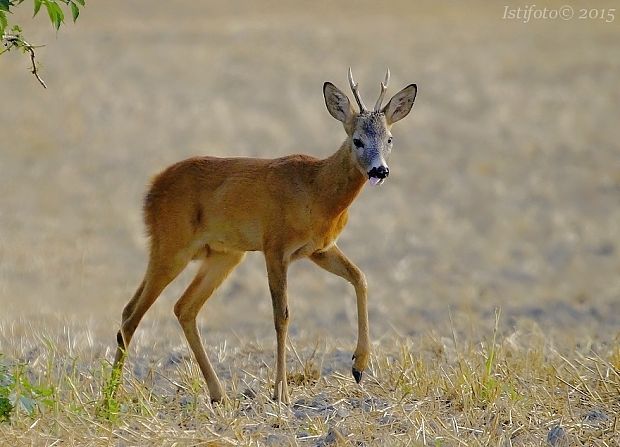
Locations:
{"points": [[377, 175]]}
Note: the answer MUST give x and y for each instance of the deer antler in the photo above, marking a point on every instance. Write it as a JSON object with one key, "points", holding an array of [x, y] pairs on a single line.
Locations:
{"points": [[356, 93], [384, 86]]}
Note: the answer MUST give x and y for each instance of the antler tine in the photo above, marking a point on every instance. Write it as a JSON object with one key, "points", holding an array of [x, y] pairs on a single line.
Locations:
{"points": [[356, 93], [384, 86]]}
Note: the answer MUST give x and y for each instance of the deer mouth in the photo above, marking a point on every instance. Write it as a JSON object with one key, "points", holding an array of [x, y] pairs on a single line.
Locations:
{"points": [[376, 176]]}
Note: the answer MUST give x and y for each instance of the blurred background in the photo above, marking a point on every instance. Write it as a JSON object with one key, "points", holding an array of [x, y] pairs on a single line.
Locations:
{"points": [[505, 185]]}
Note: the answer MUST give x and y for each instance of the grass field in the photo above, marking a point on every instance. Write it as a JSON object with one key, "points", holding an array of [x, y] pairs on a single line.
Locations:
{"points": [[492, 253]]}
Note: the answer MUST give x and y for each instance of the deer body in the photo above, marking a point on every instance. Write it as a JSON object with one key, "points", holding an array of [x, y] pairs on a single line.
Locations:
{"points": [[215, 209], [258, 203]]}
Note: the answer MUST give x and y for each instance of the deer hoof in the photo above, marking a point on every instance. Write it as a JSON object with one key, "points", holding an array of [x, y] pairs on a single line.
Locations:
{"points": [[218, 398], [357, 375], [286, 400]]}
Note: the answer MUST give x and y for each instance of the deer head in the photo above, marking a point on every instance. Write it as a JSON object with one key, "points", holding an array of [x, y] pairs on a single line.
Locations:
{"points": [[368, 132]]}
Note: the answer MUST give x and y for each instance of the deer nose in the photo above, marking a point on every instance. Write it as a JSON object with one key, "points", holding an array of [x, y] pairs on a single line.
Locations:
{"points": [[380, 172]]}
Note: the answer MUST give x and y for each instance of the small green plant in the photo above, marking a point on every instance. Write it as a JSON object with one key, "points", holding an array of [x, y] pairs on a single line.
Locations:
{"points": [[490, 385], [6, 407], [109, 407], [17, 392]]}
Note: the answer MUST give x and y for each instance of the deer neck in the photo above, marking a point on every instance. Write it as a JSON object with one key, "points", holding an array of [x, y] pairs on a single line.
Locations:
{"points": [[339, 181]]}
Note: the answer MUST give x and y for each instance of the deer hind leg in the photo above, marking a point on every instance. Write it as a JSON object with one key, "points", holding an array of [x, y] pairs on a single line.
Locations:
{"points": [[159, 274], [127, 311], [334, 261], [215, 268], [276, 272]]}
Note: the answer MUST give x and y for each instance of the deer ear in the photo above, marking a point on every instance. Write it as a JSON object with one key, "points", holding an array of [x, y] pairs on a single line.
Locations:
{"points": [[338, 104], [400, 105]]}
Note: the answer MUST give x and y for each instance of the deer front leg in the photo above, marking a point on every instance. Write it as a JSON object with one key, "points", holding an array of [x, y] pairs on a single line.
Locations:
{"points": [[276, 272], [334, 261]]}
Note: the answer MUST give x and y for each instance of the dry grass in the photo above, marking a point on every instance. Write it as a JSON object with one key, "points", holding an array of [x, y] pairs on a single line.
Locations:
{"points": [[505, 389]]}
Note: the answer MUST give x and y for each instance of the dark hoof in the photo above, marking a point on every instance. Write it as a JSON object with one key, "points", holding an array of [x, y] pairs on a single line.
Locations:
{"points": [[357, 375], [218, 400]]}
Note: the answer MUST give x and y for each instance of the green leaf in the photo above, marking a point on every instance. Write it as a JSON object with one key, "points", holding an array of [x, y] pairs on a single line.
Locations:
{"points": [[51, 12], [6, 407], [60, 15], [37, 6], [75, 12], [42, 390], [81, 2], [3, 23], [4, 5], [27, 404], [55, 13]]}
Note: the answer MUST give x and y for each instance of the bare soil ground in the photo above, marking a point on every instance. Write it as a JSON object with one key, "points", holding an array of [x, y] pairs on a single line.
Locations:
{"points": [[504, 193]]}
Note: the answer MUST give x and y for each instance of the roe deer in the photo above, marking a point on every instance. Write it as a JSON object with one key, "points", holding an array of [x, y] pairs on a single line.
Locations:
{"points": [[215, 209]]}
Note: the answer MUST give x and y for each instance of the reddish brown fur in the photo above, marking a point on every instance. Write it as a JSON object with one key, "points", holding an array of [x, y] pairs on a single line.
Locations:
{"points": [[247, 204]]}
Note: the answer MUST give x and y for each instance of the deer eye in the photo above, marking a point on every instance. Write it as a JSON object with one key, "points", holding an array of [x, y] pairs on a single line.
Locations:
{"points": [[358, 143]]}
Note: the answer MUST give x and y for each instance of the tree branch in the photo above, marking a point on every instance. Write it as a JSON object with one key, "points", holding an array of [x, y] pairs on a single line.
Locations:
{"points": [[15, 40]]}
